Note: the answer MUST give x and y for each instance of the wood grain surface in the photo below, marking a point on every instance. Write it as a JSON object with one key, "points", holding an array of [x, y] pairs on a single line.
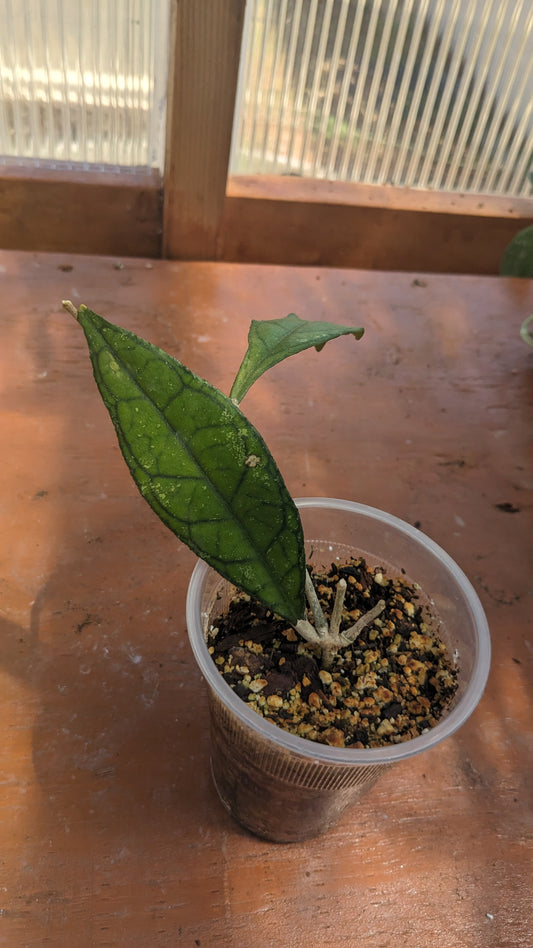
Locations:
{"points": [[103, 212], [110, 830], [302, 221], [205, 42]]}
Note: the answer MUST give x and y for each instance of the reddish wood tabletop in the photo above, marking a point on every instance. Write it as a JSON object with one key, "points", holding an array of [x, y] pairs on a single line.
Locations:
{"points": [[111, 831]]}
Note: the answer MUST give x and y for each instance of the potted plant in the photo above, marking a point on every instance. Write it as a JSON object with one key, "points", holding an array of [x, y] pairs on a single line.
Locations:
{"points": [[319, 678]]}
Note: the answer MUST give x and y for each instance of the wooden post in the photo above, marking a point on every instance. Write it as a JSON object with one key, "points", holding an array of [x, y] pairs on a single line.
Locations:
{"points": [[205, 47]]}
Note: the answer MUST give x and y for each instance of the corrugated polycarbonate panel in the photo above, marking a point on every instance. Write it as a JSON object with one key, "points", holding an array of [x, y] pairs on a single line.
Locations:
{"points": [[418, 93], [83, 80]]}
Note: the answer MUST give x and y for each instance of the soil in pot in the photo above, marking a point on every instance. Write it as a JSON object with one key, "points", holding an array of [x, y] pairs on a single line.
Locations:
{"points": [[393, 683]]}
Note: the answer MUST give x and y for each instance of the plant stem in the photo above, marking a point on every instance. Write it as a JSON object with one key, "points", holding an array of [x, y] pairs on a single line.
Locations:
{"points": [[308, 632], [327, 637], [321, 623], [349, 635], [336, 615]]}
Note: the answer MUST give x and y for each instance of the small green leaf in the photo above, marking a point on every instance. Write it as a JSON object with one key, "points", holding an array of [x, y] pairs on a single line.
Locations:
{"points": [[272, 340], [525, 333], [201, 465]]}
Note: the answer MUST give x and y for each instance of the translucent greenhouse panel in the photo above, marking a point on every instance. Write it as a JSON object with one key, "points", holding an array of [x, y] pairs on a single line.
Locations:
{"points": [[413, 93], [83, 81]]}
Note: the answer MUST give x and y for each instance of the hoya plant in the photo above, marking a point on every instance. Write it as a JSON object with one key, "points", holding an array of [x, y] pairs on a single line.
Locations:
{"points": [[206, 471]]}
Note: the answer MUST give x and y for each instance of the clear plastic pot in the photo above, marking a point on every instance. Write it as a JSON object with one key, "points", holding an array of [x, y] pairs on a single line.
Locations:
{"points": [[285, 788]]}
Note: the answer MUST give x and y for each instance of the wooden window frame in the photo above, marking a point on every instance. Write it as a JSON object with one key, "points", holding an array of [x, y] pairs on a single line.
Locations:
{"points": [[195, 212]]}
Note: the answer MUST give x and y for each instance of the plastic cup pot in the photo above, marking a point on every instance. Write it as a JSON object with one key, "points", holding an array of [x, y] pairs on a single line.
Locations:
{"points": [[278, 785]]}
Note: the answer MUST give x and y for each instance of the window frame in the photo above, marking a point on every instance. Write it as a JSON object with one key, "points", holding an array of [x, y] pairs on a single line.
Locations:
{"points": [[194, 211]]}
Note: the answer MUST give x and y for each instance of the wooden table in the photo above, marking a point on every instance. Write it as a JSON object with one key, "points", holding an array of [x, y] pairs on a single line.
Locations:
{"points": [[111, 832]]}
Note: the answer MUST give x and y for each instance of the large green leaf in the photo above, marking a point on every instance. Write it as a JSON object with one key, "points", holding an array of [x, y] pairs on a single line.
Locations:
{"points": [[201, 465], [272, 340]]}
